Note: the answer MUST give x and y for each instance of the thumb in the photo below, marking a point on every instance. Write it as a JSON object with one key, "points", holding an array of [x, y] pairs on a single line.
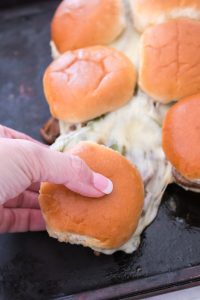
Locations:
{"points": [[67, 169]]}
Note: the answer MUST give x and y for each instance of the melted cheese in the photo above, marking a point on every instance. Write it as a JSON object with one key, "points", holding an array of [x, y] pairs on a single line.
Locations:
{"points": [[66, 127], [144, 20], [128, 41], [134, 129], [54, 51]]}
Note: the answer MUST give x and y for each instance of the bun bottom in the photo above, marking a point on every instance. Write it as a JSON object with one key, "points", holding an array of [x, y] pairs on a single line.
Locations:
{"points": [[187, 184], [94, 244], [75, 239]]}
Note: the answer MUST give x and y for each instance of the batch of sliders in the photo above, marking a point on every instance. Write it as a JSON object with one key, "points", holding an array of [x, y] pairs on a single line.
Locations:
{"points": [[125, 86]]}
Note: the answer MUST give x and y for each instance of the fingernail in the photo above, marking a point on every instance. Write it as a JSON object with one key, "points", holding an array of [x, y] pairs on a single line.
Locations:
{"points": [[102, 183]]}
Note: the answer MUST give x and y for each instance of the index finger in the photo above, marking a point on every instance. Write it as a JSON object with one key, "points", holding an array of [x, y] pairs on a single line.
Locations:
{"points": [[21, 220], [7, 132]]}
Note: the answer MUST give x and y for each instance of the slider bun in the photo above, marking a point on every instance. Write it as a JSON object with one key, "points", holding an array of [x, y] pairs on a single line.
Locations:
{"points": [[83, 23], [151, 12], [86, 83], [170, 60], [181, 136], [106, 222]]}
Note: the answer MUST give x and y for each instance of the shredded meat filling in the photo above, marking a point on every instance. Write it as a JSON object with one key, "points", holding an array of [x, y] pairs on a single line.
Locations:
{"points": [[50, 131]]}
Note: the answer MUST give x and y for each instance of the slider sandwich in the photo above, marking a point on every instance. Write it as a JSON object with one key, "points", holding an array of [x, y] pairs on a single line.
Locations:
{"points": [[103, 224], [151, 12], [79, 24], [170, 60], [181, 141], [84, 84]]}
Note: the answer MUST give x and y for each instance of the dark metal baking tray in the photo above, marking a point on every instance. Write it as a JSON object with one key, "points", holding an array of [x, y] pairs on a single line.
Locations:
{"points": [[34, 266]]}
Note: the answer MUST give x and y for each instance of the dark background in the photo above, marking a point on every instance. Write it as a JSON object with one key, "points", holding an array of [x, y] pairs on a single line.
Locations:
{"points": [[34, 266]]}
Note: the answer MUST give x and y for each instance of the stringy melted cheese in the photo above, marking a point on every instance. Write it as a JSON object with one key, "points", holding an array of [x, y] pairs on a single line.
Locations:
{"points": [[135, 131]]}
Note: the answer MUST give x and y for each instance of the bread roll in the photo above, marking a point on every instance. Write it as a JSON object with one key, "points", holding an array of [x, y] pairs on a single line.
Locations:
{"points": [[86, 83], [170, 60], [82, 23], [99, 223], [181, 137]]}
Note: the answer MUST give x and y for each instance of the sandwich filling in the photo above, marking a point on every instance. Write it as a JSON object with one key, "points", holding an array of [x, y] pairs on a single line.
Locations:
{"points": [[135, 131], [145, 20]]}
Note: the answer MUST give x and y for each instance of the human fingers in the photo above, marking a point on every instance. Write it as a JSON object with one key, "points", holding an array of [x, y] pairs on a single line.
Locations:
{"points": [[10, 133], [27, 199], [21, 220], [30, 162]]}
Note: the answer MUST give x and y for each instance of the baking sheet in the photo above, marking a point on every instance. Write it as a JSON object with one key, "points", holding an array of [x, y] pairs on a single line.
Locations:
{"points": [[34, 266]]}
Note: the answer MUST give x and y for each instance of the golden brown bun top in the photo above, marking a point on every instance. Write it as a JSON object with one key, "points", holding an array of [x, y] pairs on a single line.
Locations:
{"points": [[86, 83], [111, 219], [170, 60], [181, 136], [150, 12], [82, 23]]}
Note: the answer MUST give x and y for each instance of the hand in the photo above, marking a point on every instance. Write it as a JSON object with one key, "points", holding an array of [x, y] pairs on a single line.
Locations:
{"points": [[24, 163]]}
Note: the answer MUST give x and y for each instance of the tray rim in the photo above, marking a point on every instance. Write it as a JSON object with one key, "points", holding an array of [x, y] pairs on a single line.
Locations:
{"points": [[143, 287]]}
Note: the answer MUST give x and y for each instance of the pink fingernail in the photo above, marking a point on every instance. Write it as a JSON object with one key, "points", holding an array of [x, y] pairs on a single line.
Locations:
{"points": [[102, 183]]}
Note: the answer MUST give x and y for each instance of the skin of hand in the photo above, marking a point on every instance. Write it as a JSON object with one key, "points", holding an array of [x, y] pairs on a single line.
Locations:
{"points": [[24, 163]]}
